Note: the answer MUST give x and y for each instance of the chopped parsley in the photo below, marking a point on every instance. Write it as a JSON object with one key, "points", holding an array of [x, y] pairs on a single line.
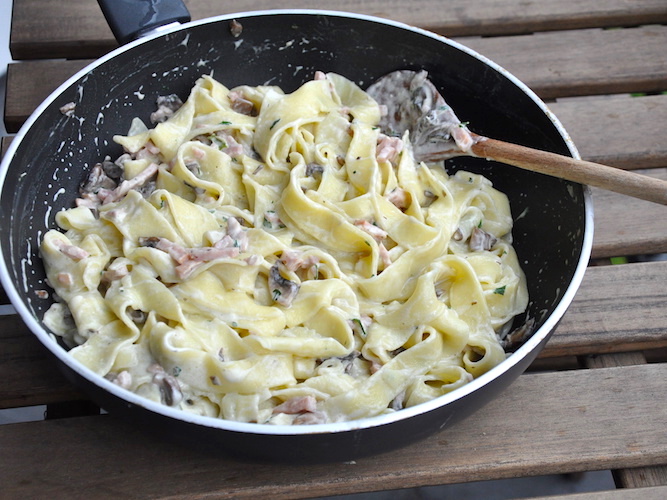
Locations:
{"points": [[220, 144], [362, 330], [276, 294], [274, 124], [500, 290]]}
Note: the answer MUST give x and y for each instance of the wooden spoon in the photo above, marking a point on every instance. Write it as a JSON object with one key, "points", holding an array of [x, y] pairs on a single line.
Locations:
{"points": [[413, 103]]}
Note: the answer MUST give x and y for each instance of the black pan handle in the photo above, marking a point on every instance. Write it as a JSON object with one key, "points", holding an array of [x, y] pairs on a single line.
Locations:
{"points": [[130, 19]]}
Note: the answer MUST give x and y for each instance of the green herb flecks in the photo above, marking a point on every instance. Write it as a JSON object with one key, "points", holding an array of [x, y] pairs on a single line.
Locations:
{"points": [[219, 143], [360, 325]]}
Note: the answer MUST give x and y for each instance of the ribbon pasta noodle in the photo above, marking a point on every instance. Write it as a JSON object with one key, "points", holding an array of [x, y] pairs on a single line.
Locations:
{"points": [[275, 258]]}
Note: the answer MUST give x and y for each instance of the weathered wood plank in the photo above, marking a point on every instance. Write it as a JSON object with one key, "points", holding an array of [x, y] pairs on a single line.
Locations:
{"points": [[30, 377], [636, 477], [43, 29], [25, 92], [617, 309], [655, 475], [583, 62], [628, 226], [620, 130], [590, 121], [650, 493], [585, 420], [4, 145]]}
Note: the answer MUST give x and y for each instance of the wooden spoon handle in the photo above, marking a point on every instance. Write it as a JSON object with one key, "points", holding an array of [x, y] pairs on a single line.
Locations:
{"points": [[564, 167]]}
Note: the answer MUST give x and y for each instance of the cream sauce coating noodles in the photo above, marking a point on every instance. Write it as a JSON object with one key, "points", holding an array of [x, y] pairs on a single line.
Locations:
{"points": [[275, 258]]}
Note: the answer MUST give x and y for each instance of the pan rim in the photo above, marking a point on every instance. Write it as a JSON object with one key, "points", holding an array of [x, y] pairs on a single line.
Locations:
{"points": [[330, 428]]}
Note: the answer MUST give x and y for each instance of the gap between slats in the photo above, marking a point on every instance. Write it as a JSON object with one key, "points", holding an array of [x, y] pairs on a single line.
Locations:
{"points": [[43, 29]]}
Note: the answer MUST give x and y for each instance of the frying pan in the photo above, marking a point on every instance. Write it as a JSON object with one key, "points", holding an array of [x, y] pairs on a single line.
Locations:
{"points": [[52, 152]]}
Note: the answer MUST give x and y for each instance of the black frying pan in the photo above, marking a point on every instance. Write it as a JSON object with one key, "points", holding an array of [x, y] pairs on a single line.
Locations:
{"points": [[50, 156]]}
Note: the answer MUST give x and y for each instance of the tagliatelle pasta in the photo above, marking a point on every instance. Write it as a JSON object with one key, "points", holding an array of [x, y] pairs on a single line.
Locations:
{"points": [[276, 258]]}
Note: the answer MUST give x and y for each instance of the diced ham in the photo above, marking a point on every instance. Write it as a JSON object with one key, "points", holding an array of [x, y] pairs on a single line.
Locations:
{"points": [[65, 279], [233, 149], [388, 148], [72, 251], [237, 233], [129, 184], [384, 255], [188, 259], [377, 233], [399, 197], [298, 404], [294, 260]]}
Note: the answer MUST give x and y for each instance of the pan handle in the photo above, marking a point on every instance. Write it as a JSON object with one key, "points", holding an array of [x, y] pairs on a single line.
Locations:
{"points": [[130, 19]]}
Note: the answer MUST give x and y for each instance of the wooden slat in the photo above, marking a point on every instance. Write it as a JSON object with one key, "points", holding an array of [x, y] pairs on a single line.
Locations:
{"points": [[628, 226], [620, 130], [617, 309], [6, 141], [583, 420], [635, 477], [30, 377], [43, 29], [560, 64], [583, 62], [650, 493], [25, 92]]}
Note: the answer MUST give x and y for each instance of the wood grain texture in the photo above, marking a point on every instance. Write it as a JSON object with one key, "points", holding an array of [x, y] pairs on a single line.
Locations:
{"points": [[620, 181], [581, 418], [619, 130], [567, 63], [633, 477], [616, 309], [25, 92], [582, 62], [628, 226], [44, 29], [648, 493], [30, 376]]}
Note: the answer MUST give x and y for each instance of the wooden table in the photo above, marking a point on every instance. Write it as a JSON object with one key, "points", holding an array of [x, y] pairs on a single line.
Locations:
{"points": [[596, 399]]}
